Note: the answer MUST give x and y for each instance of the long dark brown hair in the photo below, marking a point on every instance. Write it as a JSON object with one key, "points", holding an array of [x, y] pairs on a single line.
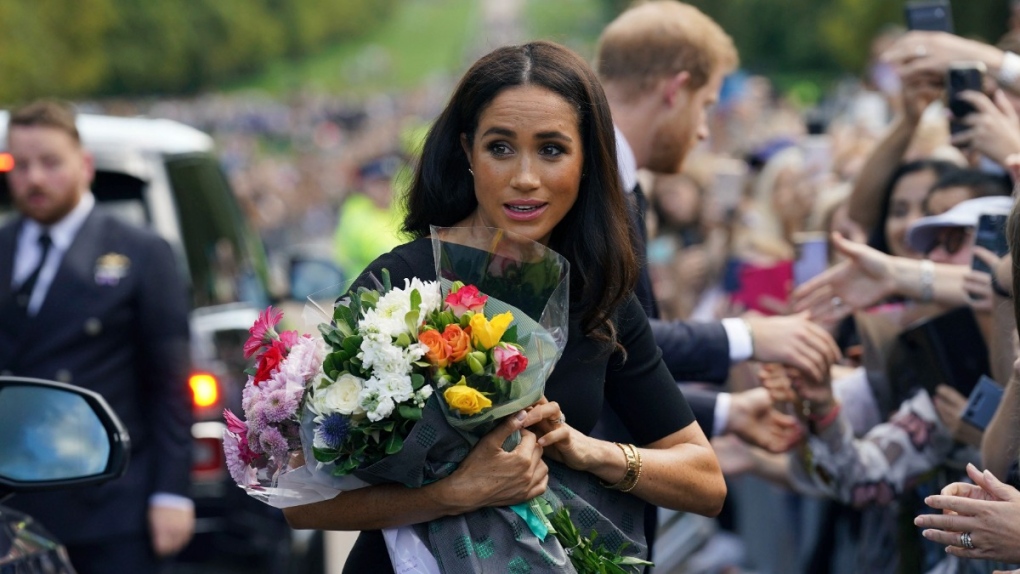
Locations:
{"points": [[593, 235]]}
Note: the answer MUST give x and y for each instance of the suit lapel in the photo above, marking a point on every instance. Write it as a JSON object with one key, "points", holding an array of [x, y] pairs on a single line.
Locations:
{"points": [[76, 267], [8, 244]]}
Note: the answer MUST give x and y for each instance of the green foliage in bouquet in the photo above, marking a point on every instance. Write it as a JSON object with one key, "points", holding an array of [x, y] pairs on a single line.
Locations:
{"points": [[588, 554]]}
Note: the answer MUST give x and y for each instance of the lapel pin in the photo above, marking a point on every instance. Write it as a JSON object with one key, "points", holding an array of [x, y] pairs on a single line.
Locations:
{"points": [[111, 268]]}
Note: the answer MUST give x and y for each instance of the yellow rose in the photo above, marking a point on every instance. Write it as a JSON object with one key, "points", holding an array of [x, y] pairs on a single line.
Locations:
{"points": [[465, 399], [485, 334]]}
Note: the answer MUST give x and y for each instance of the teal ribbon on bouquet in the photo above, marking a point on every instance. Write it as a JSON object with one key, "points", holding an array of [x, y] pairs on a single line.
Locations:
{"points": [[535, 514]]}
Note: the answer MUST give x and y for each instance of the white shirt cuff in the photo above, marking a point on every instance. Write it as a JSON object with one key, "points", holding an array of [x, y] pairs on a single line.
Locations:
{"points": [[167, 500], [722, 414], [741, 345]]}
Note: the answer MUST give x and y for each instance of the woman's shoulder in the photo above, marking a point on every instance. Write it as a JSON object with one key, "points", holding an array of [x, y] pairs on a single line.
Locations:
{"points": [[412, 259]]}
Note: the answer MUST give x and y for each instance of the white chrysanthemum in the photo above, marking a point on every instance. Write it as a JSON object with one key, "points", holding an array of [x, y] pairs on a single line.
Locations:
{"points": [[388, 317], [431, 294], [379, 354]]}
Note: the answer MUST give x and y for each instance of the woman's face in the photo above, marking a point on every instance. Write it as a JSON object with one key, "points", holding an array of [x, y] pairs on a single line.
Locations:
{"points": [[527, 158], [905, 207]]}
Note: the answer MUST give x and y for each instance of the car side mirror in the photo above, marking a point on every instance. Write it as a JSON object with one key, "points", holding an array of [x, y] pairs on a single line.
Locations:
{"points": [[56, 435]]}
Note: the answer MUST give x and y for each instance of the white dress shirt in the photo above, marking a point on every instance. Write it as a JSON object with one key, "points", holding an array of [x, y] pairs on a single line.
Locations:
{"points": [[62, 234]]}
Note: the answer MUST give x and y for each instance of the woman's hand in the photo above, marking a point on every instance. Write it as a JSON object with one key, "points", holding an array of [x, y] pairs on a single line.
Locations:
{"points": [[560, 441], [994, 127], [863, 279], [919, 51], [490, 476], [987, 511]]}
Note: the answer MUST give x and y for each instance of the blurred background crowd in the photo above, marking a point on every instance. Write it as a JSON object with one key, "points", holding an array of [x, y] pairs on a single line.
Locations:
{"points": [[836, 122]]}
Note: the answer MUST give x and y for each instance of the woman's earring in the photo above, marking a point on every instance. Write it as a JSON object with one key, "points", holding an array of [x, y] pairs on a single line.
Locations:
{"points": [[471, 172]]}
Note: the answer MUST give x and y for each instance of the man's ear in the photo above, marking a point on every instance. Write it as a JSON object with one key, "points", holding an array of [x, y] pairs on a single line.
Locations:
{"points": [[89, 166], [673, 85], [467, 148]]}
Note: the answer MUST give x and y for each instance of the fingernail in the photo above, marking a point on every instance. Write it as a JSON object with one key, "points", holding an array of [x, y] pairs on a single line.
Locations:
{"points": [[520, 416], [541, 441], [927, 500], [917, 521]]}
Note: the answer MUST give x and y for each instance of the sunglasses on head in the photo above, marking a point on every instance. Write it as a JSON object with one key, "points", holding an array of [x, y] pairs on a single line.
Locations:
{"points": [[951, 239]]}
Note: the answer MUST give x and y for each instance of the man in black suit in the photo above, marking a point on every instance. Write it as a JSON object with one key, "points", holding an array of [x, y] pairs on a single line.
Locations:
{"points": [[93, 301], [662, 64]]}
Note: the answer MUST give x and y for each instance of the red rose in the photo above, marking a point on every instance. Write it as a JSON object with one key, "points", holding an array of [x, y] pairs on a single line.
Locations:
{"points": [[467, 298], [509, 360], [269, 362]]}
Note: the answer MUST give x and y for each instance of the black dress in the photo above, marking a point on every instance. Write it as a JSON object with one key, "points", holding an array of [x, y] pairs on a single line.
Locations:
{"points": [[640, 389]]}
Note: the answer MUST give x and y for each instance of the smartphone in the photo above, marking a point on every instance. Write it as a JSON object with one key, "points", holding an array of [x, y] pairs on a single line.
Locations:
{"points": [[990, 234], [982, 403], [931, 15], [960, 77], [812, 250]]}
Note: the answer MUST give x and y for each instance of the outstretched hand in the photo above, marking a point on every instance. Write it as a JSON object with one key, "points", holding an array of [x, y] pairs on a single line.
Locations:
{"points": [[794, 341], [863, 279], [754, 419], [986, 510]]}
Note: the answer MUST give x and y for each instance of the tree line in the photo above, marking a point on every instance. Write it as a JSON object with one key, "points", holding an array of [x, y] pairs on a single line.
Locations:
{"points": [[87, 48]]}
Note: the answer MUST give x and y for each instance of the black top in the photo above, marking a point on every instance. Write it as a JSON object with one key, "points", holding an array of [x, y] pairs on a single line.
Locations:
{"points": [[640, 388]]}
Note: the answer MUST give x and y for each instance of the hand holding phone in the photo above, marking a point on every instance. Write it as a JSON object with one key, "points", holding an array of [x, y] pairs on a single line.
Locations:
{"points": [[990, 234], [962, 77], [982, 403]]}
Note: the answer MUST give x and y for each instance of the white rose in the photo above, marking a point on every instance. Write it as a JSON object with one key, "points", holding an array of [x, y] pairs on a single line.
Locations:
{"points": [[341, 396]]}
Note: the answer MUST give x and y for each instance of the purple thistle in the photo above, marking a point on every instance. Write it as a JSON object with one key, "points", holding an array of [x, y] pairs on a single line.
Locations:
{"points": [[333, 431]]}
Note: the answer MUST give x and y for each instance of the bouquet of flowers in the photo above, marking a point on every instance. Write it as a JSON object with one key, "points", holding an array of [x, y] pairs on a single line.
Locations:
{"points": [[409, 378], [260, 448]]}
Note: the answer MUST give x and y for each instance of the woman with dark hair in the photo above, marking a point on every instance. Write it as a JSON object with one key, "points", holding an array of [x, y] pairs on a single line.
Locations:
{"points": [[904, 203], [526, 144]]}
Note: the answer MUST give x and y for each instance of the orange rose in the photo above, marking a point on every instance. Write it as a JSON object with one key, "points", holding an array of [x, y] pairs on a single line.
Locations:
{"points": [[439, 350], [458, 341]]}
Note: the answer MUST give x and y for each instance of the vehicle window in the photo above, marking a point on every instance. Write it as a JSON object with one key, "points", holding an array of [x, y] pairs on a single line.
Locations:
{"points": [[226, 260]]}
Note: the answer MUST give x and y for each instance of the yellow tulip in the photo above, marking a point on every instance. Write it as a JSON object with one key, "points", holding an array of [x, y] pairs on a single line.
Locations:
{"points": [[465, 399], [485, 333]]}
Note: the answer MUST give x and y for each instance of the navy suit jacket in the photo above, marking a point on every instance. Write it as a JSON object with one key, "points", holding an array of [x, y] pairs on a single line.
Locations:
{"points": [[125, 339]]}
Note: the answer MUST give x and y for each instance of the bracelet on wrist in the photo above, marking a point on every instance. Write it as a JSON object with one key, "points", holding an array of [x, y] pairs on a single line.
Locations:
{"points": [[822, 422], [927, 280], [1009, 70], [633, 473]]}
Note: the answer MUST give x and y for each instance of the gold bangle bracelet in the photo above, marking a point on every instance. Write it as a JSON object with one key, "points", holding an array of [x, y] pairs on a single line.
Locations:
{"points": [[633, 473]]}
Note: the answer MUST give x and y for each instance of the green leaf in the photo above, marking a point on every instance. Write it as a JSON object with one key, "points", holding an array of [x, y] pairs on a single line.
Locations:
{"points": [[415, 300], [394, 443], [411, 320], [409, 412], [510, 335], [386, 283], [417, 381], [325, 454]]}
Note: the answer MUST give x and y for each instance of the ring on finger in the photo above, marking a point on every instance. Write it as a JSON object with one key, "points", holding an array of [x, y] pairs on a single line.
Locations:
{"points": [[558, 421], [965, 541], [837, 301], [920, 51]]}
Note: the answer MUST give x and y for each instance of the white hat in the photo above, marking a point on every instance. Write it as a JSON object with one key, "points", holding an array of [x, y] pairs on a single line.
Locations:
{"points": [[964, 214]]}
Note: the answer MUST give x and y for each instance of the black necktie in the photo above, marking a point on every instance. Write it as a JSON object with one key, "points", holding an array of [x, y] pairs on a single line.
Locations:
{"points": [[24, 293], [643, 289]]}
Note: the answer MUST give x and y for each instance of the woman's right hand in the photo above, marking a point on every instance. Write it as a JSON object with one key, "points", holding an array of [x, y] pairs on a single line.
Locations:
{"points": [[490, 476]]}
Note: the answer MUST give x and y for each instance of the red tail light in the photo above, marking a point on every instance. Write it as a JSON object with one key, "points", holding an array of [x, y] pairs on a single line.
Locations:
{"points": [[205, 390], [6, 162]]}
